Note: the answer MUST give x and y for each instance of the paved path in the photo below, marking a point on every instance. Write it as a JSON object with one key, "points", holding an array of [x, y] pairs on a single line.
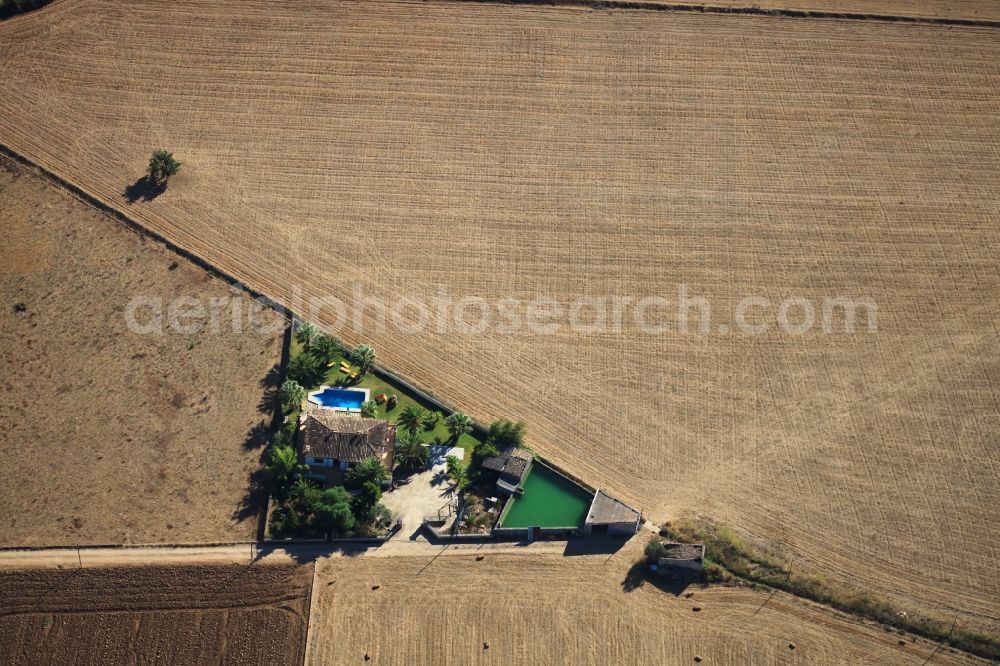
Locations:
{"points": [[426, 493], [243, 553]]}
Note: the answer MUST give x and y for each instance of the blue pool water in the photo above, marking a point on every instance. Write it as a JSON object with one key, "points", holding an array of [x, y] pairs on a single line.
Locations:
{"points": [[339, 398]]}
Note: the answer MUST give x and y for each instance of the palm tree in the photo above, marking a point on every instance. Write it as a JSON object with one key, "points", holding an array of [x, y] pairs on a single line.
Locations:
{"points": [[305, 369], [283, 462], [458, 424], [408, 437], [457, 472], [371, 469], [369, 409], [305, 334], [412, 417], [364, 357], [431, 420], [306, 493], [410, 451], [326, 347], [291, 393]]}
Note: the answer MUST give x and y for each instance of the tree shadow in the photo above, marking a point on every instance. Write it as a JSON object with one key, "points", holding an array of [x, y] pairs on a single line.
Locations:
{"points": [[303, 553], [145, 188], [270, 405], [273, 378], [639, 574], [258, 436], [254, 501]]}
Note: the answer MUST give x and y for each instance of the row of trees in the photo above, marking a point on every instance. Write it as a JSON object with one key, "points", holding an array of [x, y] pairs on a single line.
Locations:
{"points": [[414, 418], [308, 367]]}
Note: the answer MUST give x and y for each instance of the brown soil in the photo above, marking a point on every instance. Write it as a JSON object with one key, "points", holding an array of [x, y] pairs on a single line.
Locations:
{"points": [[170, 615], [555, 152], [551, 609], [978, 10], [109, 436]]}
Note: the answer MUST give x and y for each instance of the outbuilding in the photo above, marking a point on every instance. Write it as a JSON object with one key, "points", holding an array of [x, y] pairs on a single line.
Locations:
{"points": [[681, 558], [608, 515]]}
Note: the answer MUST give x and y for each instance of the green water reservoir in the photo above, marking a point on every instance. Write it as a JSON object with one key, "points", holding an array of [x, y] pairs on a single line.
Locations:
{"points": [[549, 500]]}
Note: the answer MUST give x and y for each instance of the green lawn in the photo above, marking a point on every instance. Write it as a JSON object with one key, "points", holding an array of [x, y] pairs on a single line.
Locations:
{"points": [[437, 435]]}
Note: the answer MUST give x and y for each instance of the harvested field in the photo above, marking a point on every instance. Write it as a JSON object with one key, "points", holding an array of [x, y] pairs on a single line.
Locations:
{"points": [[110, 436], [525, 152], [975, 10], [169, 615], [549, 609]]}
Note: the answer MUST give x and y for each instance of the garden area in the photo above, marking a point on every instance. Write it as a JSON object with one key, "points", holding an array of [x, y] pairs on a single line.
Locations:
{"points": [[482, 508], [317, 359], [303, 509]]}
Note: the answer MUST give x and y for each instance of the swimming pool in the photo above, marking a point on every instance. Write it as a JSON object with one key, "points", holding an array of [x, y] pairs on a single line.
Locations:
{"points": [[549, 500], [343, 399]]}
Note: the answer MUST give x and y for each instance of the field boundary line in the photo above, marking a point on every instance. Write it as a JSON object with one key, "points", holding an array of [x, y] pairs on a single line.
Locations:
{"points": [[289, 315], [127, 221], [746, 11], [129, 546], [309, 615]]}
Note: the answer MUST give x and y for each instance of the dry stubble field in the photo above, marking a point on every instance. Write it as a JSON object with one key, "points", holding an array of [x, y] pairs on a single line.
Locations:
{"points": [[523, 152], [109, 436], [976, 10], [155, 614], [551, 609]]}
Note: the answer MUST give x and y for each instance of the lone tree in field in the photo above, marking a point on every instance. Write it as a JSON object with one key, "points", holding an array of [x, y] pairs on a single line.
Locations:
{"points": [[162, 166]]}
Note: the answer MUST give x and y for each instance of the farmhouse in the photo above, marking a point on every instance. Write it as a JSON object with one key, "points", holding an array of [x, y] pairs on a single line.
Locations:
{"points": [[512, 464], [611, 516], [331, 442]]}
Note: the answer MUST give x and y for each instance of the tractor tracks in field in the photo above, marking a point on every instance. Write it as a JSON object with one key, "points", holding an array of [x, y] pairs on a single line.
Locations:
{"points": [[754, 10]]}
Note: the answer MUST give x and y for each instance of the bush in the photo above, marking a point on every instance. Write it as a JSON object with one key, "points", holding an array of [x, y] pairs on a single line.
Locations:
{"points": [[655, 550], [481, 452], [287, 522], [714, 573], [333, 511], [364, 502], [504, 433], [728, 555]]}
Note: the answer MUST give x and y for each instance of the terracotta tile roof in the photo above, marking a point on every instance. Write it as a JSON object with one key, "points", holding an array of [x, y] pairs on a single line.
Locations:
{"points": [[329, 434], [511, 463]]}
